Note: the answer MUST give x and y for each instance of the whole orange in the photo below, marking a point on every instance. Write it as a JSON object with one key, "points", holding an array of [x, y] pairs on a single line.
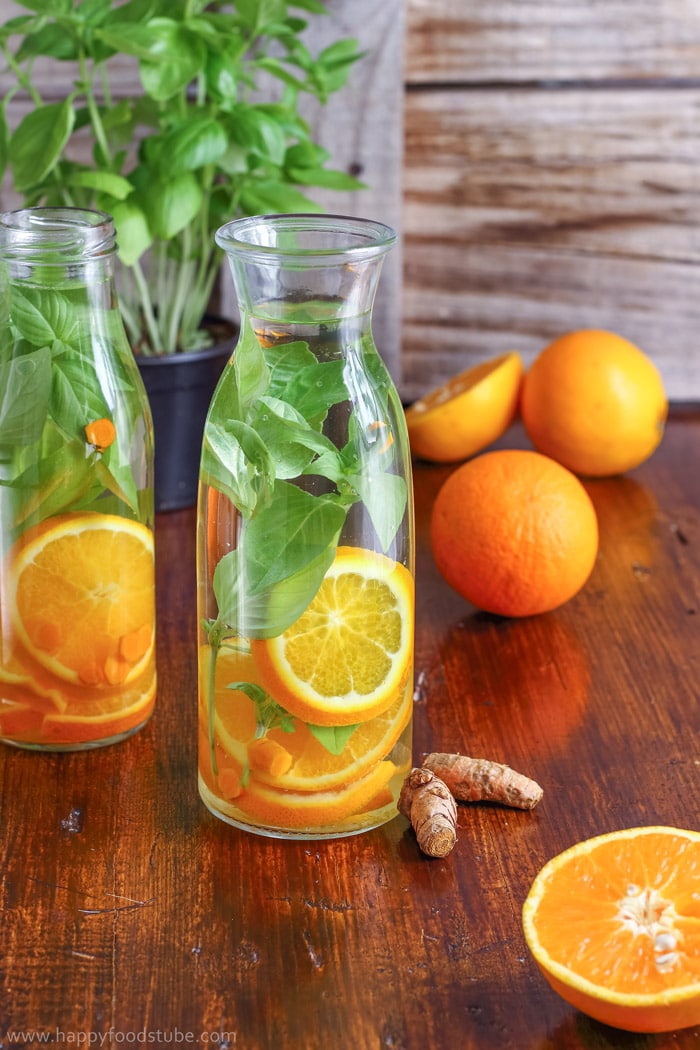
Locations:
{"points": [[595, 402], [514, 532]]}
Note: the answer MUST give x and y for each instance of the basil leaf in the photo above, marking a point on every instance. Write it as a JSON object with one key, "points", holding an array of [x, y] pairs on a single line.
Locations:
{"points": [[266, 613], [38, 142], [258, 133], [118, 479], [76, 397], [42, 315], [252, 376], [176, 57], [25, 388], [57, 482], [53, 40], [311, 526], [315, 388], [131, 38], [133, 234], [385, 496], [333, 738], [327, 177], [102, 181], [252, 690], [236, 461], [171, 205], [284, 364], [264, 196], [288, 437], [270, 579], [192, 145]]}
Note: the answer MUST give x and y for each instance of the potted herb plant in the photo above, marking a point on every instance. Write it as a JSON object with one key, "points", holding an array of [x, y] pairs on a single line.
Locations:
{"points": [[214, 131]]}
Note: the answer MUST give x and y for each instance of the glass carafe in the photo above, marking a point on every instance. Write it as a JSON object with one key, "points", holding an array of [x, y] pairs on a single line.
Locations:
{"points": [[77, 605], [305, 542]]}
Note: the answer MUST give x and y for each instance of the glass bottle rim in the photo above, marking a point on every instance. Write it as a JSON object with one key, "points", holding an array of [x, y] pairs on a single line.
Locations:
{"points": [[69, 232], [306, 238]]}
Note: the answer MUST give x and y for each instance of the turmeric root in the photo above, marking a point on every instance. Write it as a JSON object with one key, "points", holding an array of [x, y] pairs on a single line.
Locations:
{"points": [[480, 780], [430, 806]]}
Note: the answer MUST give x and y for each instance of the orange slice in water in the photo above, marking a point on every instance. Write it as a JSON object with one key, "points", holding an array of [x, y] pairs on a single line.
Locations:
{"points": [[614, 925], [311, 767], [349, 655], [100, 719], [82, 595], [299, 810]]}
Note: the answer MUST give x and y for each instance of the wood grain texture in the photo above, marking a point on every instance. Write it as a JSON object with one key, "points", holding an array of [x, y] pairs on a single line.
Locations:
{"points": [[529, 213], [127, 910], [453, 41]]}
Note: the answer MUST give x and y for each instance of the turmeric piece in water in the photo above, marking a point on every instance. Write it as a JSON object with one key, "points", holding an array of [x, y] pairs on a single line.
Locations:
{"points": [[481, 780], [430, 806], [100, 433]]}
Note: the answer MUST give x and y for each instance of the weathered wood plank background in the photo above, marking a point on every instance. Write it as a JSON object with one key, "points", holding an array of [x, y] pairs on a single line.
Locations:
{"points": [[541, 159], [551, 180]]}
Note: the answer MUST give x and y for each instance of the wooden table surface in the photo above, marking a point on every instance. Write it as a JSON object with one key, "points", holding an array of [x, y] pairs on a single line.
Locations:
{"points": [[130, 916]]}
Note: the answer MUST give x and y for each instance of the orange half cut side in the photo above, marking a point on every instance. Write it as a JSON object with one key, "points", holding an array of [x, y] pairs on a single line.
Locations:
{"points": [[614, 925]]}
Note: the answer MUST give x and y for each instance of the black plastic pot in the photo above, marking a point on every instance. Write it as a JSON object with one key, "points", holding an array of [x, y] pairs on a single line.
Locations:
{"points": [[179, 388]]}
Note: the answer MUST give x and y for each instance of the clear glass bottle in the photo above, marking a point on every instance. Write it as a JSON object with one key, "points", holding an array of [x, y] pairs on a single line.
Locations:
{"points": [[77, 603], [305, 542]]}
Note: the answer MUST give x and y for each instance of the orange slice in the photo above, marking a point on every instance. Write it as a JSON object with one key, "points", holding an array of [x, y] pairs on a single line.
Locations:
{"points": [[82, 595], [467, 413], [349, 655], [614, 924], [100, 719], [19, 720], [299, 810], [311, 766]]}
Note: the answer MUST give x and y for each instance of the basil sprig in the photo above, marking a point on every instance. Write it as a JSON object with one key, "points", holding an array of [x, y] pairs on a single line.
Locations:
{"points": [[292, 486], [293, 489]]}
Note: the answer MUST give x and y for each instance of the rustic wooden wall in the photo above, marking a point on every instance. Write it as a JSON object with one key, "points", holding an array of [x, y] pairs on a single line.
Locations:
{"points": [[551, 180]]}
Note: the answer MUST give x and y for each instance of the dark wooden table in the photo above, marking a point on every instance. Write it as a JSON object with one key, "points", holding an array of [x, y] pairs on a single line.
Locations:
{"points": [[131, 916]]}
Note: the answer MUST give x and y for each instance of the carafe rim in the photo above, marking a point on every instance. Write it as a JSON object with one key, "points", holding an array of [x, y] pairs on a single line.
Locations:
{"points": [[257, 237]]}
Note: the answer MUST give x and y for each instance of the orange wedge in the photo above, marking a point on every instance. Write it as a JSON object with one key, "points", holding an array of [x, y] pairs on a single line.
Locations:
{"points": [[348, 657], [614, 925], [467, 413]]}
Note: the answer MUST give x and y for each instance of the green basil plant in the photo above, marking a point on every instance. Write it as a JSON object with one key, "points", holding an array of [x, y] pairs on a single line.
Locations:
{"points": [[193, 149]]}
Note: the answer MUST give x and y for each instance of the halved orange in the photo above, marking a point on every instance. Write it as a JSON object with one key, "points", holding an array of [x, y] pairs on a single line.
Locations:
{"points": [[467, 413], [303, 810], [614, 925], [313, 767], [82, 597], [349, 655]]}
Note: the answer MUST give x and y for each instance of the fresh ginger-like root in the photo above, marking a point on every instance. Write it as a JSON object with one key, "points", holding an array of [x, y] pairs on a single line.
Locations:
{"points": [[430, 806], [481, 780]]}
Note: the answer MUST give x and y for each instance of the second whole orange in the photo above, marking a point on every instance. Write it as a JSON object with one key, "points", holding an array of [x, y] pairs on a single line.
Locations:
{"points": [[514, 532], [595, 402]]}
